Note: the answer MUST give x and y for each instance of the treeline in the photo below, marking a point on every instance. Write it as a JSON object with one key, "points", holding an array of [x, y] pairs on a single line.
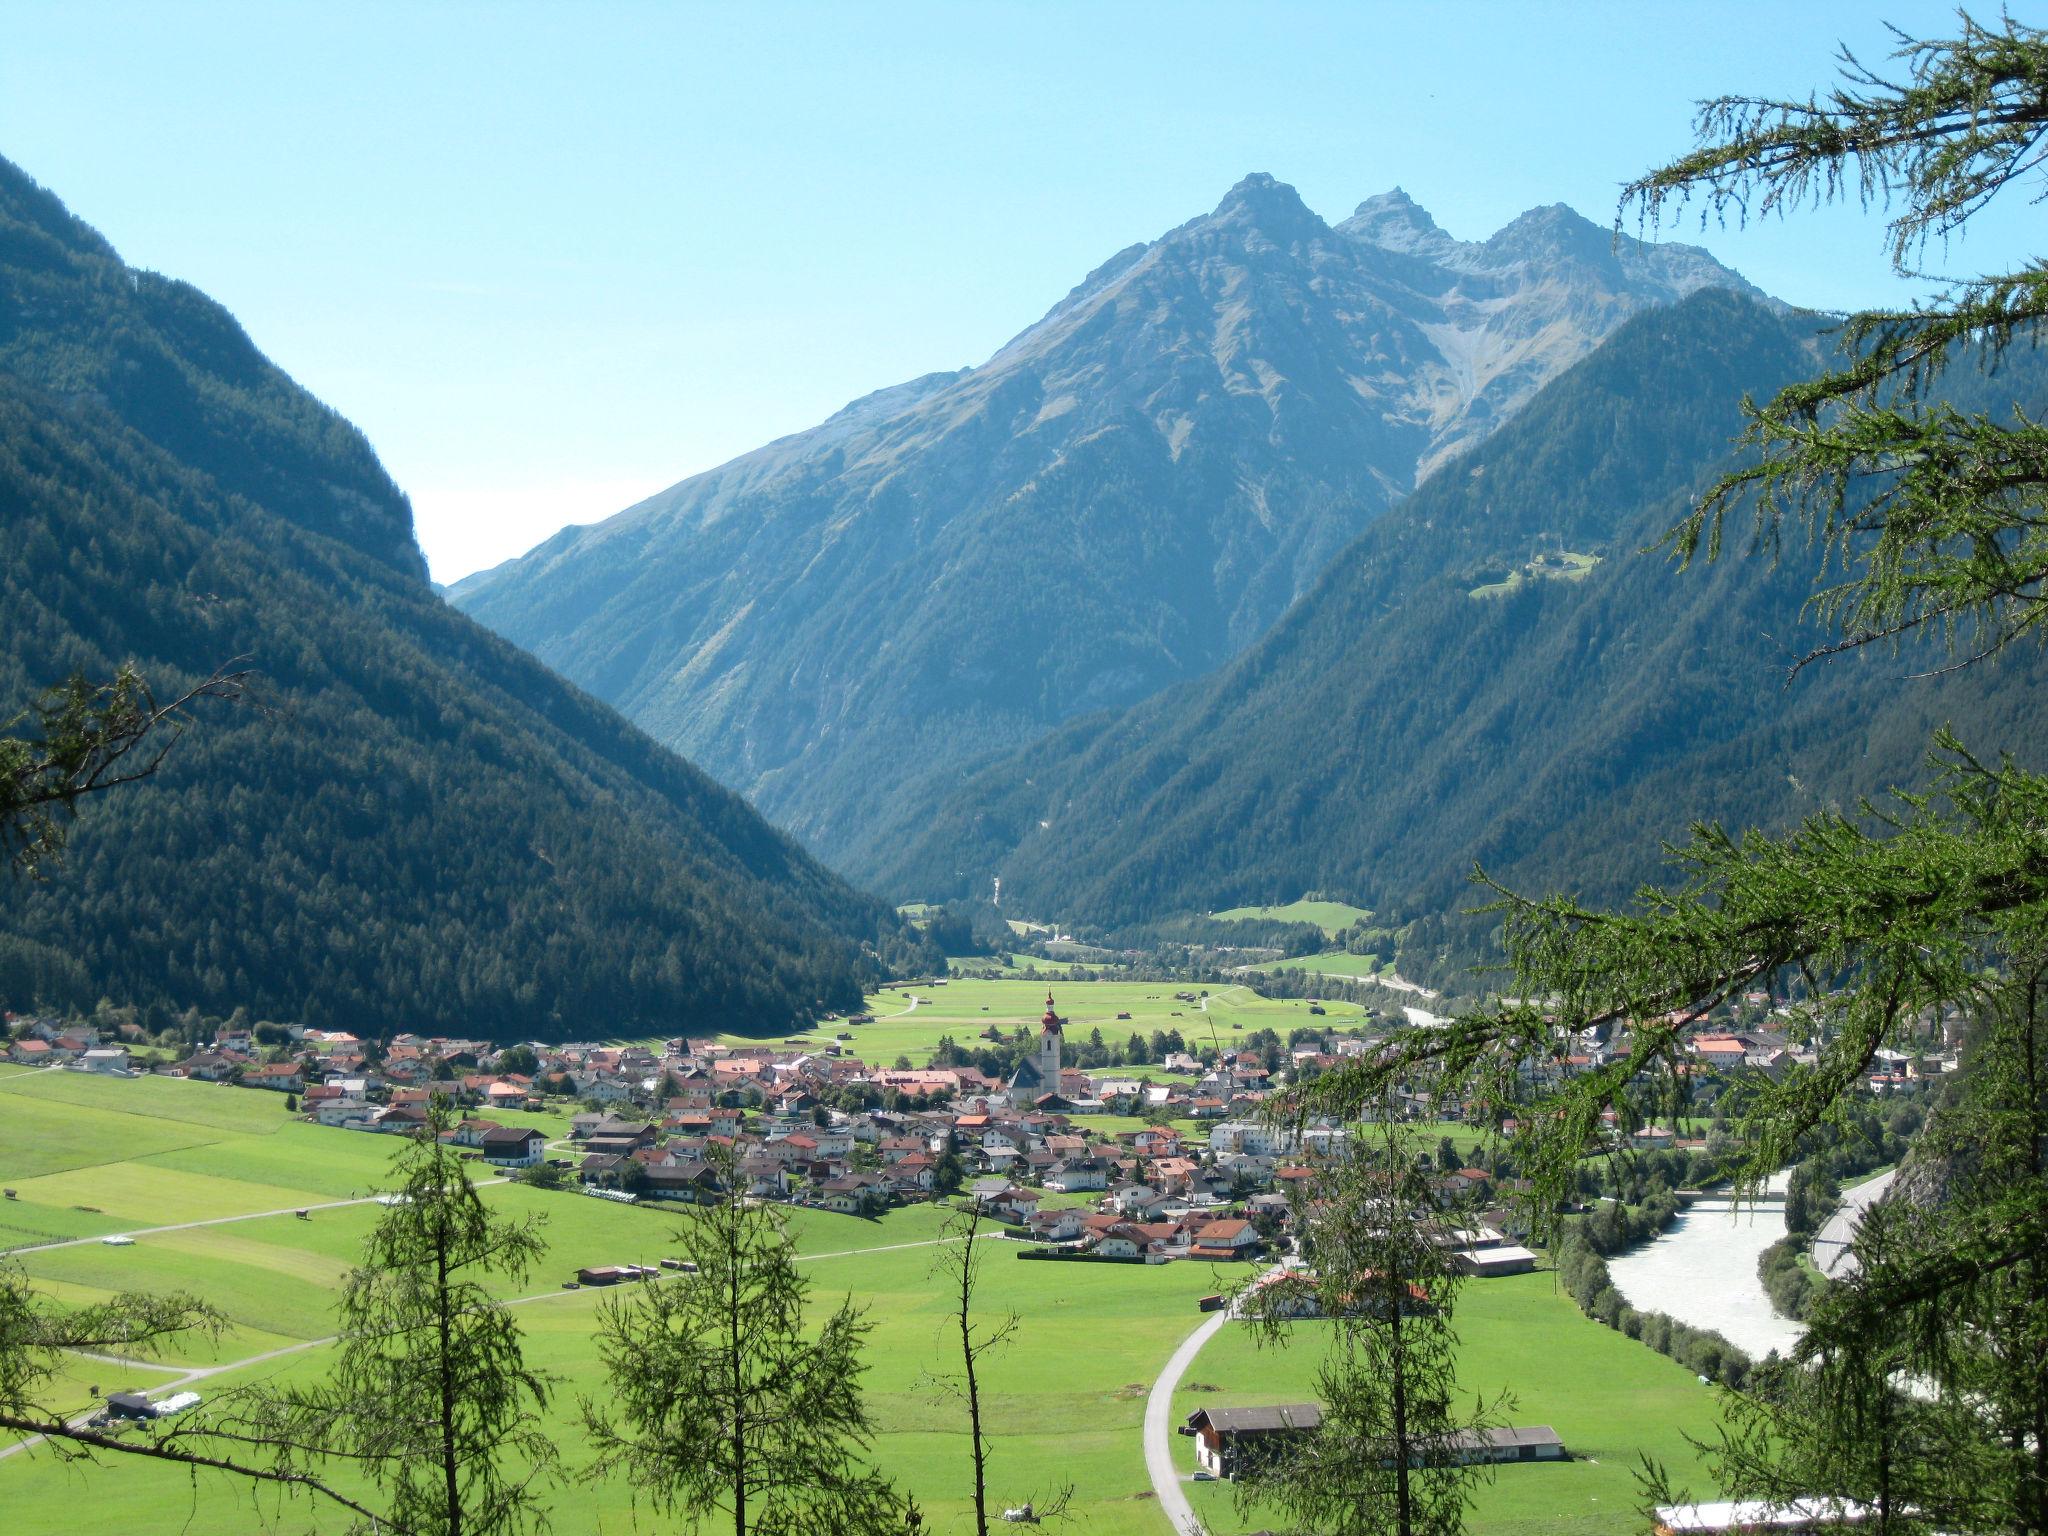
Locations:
{"points": [[1865, 1138]]}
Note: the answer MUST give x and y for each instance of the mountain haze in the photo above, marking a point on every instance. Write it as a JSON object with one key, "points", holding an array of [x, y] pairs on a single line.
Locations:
{"points": [[420, 827], [1123, 497], [1394, 728]]}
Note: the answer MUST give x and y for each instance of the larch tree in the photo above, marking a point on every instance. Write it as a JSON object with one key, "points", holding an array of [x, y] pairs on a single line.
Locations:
{"points": [[1921, 1387], [722, 1397], [1392, 1454], [430, 1395]]}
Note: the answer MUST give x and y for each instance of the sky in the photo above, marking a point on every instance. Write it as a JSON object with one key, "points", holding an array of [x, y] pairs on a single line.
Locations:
{"points": [[553, 258]]}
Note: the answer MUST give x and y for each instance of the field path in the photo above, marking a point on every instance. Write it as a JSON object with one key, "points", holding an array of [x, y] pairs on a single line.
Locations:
{"points": [[200, 1373], [1173, 1501], [218, 1221]]}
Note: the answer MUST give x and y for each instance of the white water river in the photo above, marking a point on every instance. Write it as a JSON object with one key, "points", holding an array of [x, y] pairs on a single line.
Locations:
{"points": [[1702, 1270]]}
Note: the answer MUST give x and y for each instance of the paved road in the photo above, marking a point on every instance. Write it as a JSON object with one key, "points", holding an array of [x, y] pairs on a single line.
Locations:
{"points": [[1831, 1255], [1173, 1500]]}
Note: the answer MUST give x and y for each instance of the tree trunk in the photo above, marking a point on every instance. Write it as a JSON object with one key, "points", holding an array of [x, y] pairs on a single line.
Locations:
{"points": [[449, 1471]]}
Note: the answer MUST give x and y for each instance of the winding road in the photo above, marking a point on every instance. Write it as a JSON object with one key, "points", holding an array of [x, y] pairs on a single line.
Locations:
{"points": [[1166, 1483], [1166, 1486]]}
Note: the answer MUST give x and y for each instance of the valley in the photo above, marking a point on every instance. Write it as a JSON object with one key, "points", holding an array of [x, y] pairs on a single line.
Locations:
{"points": [[154, 1157]]}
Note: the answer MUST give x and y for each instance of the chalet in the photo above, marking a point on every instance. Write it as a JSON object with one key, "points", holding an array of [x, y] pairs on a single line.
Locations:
{"points": [[853, 1194], [210, 1066], [470, 1133], [689, 1178], [1231, 1238], [1060, 1226], [33, 1053], [508, 1146], [1012, 1203]]}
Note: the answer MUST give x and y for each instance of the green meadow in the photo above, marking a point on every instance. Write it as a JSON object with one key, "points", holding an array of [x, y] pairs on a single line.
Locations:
{"points": [[1065, 1400], [1611, 1400], [1333, 917], [964, 1008]]}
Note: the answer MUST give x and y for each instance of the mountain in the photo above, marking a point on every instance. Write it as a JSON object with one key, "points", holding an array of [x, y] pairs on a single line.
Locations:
{"points": [[1123, 497], [1435, 702], [416, 826]]}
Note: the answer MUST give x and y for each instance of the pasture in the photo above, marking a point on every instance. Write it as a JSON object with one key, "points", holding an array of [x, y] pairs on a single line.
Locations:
{"points": [[1610, 1399], [910, 1021], [1333, 917]]}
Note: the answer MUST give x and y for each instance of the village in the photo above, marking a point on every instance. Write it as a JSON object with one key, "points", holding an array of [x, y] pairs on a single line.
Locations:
{"points": [[1109, 1164]]}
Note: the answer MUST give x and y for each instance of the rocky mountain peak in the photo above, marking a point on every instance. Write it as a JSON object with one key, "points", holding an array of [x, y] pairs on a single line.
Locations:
{"points": [[1394, 221], [1261, 204]]}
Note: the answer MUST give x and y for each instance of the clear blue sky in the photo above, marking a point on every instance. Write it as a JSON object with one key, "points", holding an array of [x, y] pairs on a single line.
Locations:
{"points": [[552, 258]]}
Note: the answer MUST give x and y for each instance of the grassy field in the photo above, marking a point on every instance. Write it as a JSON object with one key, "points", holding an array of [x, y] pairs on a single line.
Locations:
{"points": [[1066, 1400], [1333, 917], [1610, 1399], [963, 1009]]}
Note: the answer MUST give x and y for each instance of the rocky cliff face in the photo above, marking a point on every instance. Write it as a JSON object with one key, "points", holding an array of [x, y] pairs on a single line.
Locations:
{"points": [[1126, 495]]}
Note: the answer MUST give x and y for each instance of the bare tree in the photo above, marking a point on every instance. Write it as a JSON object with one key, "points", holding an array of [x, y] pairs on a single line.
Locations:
{"points": [[958, 1263]]}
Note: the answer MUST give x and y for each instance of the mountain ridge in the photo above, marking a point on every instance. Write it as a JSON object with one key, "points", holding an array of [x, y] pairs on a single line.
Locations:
{"points": [[1124, 495], [1431, 705], [423, 829]]}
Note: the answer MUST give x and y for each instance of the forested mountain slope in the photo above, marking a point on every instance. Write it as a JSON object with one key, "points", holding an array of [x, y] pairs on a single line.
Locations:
{"points": [[417, 827], [1123, 497], [1395, 728]]}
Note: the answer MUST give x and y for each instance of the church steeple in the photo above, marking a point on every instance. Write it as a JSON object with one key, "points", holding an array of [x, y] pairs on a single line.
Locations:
{"points": [[1050, 1024]]}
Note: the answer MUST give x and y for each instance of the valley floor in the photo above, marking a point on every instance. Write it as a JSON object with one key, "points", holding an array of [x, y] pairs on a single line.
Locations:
{"points": [[167, 1161]]}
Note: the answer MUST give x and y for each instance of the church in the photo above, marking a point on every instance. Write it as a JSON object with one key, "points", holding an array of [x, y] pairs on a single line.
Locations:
{"points": [[1039, 1073]]}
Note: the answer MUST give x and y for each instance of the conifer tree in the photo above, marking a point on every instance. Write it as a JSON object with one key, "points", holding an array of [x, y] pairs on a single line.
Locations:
{"points": [[430, 1393], [721, 1397], [1390, 1456], [1889, 922]]}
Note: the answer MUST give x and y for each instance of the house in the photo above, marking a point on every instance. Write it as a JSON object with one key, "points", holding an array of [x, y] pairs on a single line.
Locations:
{"points": [[33, 1053], [513, 1146], [109, 1059], [352, 1113], [1060, 1226], [853, 1194], [1230, 1238], [1078, 1174], [470, 1133], [1012, 1204], [210, 1066], [689, 1178], [1231, 1440]]}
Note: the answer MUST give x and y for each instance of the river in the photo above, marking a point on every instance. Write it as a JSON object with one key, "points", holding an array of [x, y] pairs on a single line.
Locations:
{"points": [[1702, 1270]]}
